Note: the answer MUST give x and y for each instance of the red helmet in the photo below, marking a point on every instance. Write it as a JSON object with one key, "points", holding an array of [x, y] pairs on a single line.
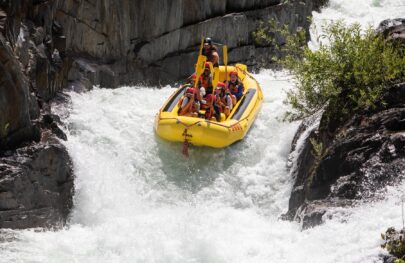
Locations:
{"points": [[190, 90], [221, 85], [233, 72], [207, 65]]}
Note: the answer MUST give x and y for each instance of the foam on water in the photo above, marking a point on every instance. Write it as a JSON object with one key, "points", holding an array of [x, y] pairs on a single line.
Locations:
{"points": [[368, 13], [138, 199]]}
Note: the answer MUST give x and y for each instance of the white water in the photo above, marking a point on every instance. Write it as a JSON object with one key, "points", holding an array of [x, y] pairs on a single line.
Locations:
{"points": [[139, 200], [368, 13]]}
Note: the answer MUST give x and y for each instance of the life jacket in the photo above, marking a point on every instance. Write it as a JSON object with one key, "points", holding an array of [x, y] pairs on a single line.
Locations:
{"points": [[234, 87], [224, 99], [189, 91], [209, 111], [219, 97]]}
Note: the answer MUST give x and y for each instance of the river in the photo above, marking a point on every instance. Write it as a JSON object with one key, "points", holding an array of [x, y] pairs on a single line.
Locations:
{"points": [[138, 199]]}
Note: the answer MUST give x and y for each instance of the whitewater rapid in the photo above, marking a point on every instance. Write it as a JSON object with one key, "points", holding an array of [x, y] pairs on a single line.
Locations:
{"points": [[137, 199]]}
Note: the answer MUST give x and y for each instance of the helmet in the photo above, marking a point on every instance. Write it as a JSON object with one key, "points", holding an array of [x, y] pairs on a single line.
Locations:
{"points": [[233, 72], [190, 90], [208, 41], [221, 85], [207, 65]]}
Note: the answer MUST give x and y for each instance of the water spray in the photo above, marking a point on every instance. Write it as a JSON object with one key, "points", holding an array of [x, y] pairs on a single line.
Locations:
{"points": [[402, 206]]}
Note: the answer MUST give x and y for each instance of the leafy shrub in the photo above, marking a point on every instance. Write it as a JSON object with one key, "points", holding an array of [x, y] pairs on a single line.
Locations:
{"points": [[394, 243], [348, 73]]}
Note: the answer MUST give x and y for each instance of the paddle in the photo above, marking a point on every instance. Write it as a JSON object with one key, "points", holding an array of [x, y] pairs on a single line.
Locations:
{"points": [[199, 67], [225, 54], [215, 76]]}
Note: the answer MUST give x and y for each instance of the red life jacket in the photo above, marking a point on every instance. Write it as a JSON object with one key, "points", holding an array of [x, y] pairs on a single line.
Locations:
{"points": [[209, 112]]}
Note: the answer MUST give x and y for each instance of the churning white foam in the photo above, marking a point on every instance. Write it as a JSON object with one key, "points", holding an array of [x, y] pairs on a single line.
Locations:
{"points": [[139, 200], [367, 13]]}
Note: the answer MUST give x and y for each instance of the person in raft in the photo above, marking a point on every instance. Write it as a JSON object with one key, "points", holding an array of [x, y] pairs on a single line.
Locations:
{"points": [[211, 52], [223, 100], [209, 107], [206, 81], [235, 86], [189, 104], [191, 82]]}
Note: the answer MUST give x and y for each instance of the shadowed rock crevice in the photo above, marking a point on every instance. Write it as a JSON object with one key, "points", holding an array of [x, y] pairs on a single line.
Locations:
{"points": [[36, 177]]}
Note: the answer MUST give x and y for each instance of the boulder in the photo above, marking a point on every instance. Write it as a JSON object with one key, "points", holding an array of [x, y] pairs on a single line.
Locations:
{"points": [[364, 156], [36, 185], [393, 29], [15, 122]]}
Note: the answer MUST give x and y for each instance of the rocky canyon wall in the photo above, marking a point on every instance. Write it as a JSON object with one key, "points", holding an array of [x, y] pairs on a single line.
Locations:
{"points": [[157, 41]]}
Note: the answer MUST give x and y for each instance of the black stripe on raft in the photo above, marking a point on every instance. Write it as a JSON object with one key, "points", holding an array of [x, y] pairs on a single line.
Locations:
{"points": [[244, 104], [173, 101]]}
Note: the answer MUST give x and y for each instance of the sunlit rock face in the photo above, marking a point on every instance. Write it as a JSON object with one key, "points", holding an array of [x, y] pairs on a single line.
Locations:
{"points": [[157, 41]]}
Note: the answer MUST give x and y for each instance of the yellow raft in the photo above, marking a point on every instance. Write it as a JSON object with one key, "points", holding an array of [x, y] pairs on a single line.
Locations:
{"points": [[202, 132]]}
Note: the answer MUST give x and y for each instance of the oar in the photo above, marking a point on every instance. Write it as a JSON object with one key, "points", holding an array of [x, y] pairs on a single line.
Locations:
{"points": [[201, 46], [215, 77], [199, 68], [225, 54]]}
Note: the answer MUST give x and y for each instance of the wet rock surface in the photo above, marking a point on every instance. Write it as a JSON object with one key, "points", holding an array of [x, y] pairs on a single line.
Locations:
{"points": [[36, 178], [36, 184], [112, 37], [366, 154], [393, 29]]}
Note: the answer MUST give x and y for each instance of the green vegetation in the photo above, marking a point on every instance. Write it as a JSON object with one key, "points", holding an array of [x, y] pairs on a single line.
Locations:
{"points": [[394, 243], [3, 132], [317, 147], [345, 75], [318, 152], [265, 34]]}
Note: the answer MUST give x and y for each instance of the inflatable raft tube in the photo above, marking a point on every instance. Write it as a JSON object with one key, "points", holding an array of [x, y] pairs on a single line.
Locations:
{"points": [[202, 132]]}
